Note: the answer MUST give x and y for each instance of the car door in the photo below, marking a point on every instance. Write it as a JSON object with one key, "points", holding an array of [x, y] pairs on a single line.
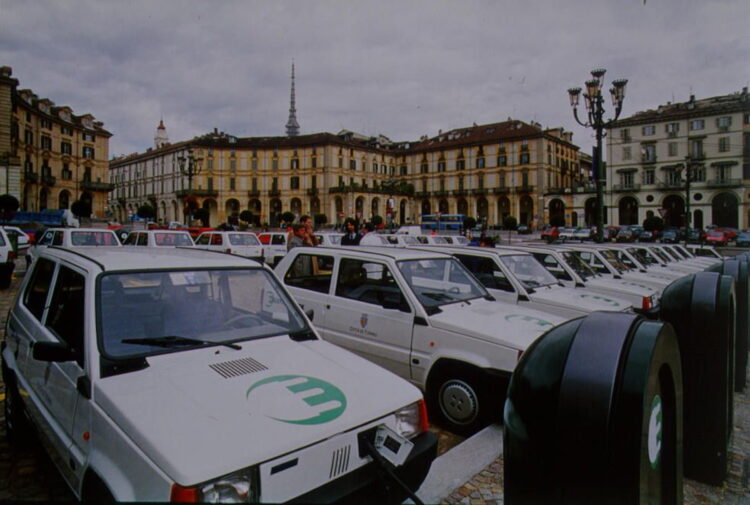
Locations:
{"points": [[370, 314], [60, 406], [308, 278], [491, 275]]}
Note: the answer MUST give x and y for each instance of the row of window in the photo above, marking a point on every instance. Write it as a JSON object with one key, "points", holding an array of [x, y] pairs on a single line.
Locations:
{"points": [[722, 123], [695, 149], [674, 177]]}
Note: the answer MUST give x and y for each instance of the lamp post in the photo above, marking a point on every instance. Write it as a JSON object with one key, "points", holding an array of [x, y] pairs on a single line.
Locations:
{"points": [[595, 108], [189, 166], [688, 180]]}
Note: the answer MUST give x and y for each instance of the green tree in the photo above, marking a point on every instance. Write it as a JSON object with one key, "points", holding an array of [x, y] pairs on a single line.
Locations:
{"points": [[202, 215], [288, 217], [557, 220], [146, 212], [320, 220], [246, 216], [81, 208], [377, 221], [469, 223], [8, 206], [653, 223], [510, 223]]}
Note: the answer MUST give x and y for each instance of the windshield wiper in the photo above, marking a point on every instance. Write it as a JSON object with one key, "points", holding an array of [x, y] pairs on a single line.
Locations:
{"points": [[303, 334], [177, 341], [437, 296]]}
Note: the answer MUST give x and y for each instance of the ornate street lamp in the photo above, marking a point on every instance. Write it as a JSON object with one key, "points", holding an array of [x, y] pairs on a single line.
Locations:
{"points": [[595, 108], [189, 166]]}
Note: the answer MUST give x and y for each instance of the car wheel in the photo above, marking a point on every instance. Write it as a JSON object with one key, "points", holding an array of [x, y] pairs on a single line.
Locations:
{"points": [[458, 401], [17, 427]]}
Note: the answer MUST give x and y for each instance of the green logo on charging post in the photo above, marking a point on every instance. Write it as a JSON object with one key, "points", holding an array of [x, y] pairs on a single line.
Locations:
{"points": [[654, 432], [297, 399]]}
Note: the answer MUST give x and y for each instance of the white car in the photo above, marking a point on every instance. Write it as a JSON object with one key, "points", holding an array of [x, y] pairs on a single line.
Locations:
{"points": [[419, 314], [22, 239], [329, 238], [518, 277], [162, 375], [7, 260], [73, 238], [568, 268], [274, 246], [159, 238], [241, 243], [434, 240]]}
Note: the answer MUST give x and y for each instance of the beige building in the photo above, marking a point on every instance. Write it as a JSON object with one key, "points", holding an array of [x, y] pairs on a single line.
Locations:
{"points": [[486, 172], [652, 153], [50, 157]]}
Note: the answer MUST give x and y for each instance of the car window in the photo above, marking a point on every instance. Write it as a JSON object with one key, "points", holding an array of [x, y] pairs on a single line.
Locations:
{"points": [[528, 270], [142, 239], [278, 239], [486, 271], [243, 239], [440, 281], [369, 282], [45, 239], [35, 298], [202, 240], [552, 265], [2, 238], [310, 271], [57, 239], [216, 239], [145, 313], [131, 239], [65, 315], [93, 238]]}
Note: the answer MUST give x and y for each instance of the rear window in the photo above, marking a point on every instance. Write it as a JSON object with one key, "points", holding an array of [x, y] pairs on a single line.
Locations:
{"points": [[243, 239], [278, 239], [93, 238], [172, 239]]}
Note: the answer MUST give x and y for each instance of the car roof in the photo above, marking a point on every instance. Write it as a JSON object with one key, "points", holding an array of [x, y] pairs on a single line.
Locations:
{"points": [[465, 250], [119, 258], [173, 232], [395, 253]]}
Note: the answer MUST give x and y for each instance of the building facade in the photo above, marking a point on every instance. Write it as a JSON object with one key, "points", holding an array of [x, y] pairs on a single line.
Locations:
{"points": [[486, 172], [687, 162], [49, 156]]}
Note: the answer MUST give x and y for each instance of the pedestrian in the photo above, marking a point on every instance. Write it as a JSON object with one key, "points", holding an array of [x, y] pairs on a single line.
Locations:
{"points": [[351, 235], [311, 239], [299, 236]]}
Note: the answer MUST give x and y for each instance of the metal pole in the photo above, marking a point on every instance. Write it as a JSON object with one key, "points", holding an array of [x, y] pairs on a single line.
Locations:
{"points": [[688, 176], [599, 185]]}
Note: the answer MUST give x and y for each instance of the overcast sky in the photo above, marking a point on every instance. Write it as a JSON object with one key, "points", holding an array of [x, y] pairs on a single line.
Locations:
{"points": [[397, 67]]}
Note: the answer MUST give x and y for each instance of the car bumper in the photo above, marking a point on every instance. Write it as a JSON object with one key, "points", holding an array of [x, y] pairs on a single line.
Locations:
{"points": [[412, 473]]}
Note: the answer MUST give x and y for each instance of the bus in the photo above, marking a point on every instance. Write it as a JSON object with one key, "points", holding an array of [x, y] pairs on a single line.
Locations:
{"points": [[442, 222]]}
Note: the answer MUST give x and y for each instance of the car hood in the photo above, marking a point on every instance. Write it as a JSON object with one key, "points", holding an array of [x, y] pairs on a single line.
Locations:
{"points": [[207, 412], [493, 321], [576, 298], [629, 286]]}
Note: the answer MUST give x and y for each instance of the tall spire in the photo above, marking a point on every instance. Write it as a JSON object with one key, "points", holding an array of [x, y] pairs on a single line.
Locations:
{"points": [[292, 126]]}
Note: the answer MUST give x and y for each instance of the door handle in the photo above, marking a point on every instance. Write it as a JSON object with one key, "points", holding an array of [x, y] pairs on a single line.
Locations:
{"points": [[328, 306]]}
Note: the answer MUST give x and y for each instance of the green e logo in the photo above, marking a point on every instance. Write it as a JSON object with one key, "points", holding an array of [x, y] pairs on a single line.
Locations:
{"points": [[297, 399], [654, 432]]}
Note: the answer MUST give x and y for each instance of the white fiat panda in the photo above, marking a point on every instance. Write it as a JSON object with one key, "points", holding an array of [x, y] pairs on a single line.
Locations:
{"points": [[160, 375]]}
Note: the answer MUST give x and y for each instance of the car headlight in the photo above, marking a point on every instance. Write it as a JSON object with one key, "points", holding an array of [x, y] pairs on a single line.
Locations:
{"points": [[412, 419], [238, 487]]}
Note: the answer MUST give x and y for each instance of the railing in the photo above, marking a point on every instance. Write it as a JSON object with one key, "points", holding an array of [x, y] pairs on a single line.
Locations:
{"points": [[501, 190], [197, 192], [479, 191], [671, 185], [312, 192], [87, 185], [626, 187], [48, 180], [253, 193], [274, 192], [723, 183], [459, 192], [525, 188], [30, 176]]}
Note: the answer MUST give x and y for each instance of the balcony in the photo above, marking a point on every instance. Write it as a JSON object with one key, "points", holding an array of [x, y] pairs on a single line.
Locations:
{"points": [[442, 192], [626, 187], [557, 191], [312, 192], [253, 193], [723, 183], [503, 190], [585, 188], [459, 192], [87, 185], [197, 192], [274, 192], [524, 188], [30, 177], [671, 185], [479, 192], [422, 194], [48, 180]]}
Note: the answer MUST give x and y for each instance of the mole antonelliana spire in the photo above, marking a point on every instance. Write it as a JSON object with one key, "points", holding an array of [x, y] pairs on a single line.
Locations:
{"points": [[292, 126]]}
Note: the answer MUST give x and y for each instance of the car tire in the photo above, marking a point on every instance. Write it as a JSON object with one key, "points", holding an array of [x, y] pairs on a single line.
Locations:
{"points": [[17, 427], [6, 274], [97, 492], [458, 401]]}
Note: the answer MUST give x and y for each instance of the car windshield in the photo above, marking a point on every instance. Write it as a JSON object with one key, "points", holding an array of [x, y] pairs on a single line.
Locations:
{"points": [[642, 256], [671, 253], [243, 239], [440, 281], [660, 254], [95, 238], [172, 239], [576, 263], [613, 259], [145, 313], [528, 270]]}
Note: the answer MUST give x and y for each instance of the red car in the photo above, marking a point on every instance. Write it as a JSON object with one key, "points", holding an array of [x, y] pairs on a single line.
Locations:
{"points": [[716, 237], [550, 233]]}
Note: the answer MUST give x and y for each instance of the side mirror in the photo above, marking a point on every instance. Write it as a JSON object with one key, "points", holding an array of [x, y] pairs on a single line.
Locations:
{"points": [[53, 351]]}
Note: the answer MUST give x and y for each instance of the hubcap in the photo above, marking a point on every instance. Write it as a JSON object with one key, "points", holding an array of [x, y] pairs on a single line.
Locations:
{"points": [[458, 401]]}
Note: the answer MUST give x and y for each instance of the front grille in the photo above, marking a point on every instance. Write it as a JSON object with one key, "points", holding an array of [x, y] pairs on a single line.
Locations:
{"points": [[339, 461], [238, 367]]}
